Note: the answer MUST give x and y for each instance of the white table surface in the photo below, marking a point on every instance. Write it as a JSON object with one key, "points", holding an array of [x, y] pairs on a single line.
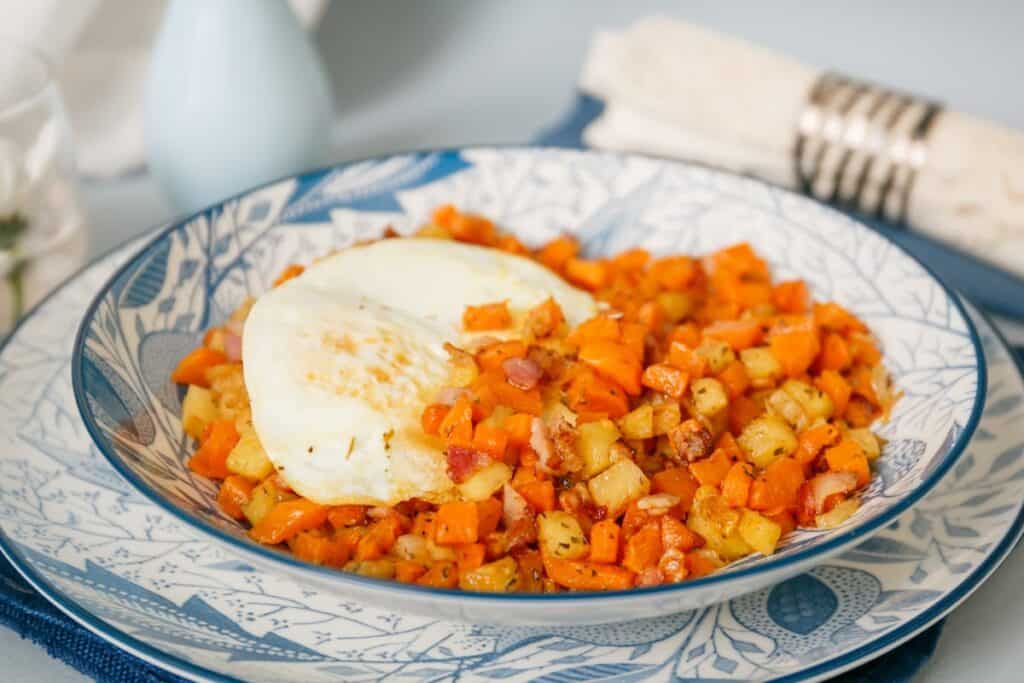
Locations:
{"points": [[451, 72]]}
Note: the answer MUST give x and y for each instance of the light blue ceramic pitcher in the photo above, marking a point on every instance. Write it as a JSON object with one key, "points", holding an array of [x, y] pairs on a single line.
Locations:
{"points": [[236, 96]]}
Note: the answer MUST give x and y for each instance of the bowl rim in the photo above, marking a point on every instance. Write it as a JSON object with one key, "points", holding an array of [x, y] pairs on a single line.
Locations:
{"points": [[327, 575]]}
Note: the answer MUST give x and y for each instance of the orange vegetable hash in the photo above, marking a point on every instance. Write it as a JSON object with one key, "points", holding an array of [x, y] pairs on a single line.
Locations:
{"points": [[706, 414]]}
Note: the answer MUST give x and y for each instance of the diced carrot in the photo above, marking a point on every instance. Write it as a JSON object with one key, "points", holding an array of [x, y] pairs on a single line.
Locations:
{"points": [[457, 426], [835, 353], [587, 576], [698, 565], [540, 494], [491, 389], [288, 518], [739, 334], [633, 336], [711, 471], [631, 260], [518, 428], [859, 412], [292, 271], [544, 319], [211, 458], [834, 317], [635, 519], [795, 351], [861, 384], [471, 228], [557, 252], [735, 379], [837, 388], [192, 368], [511, 245], [487, 317], [318, 548], [589, 393], [784, 519], [470, 556], [847, 456], [490, 440], [687, 334], [727, 443], [379, 538], [233, 494], [604, 542], [590, 275], [643, 549], [813, 440], [686, 359], [432, 417], [674, 272], [740, 259], [616, 362], [736, 485], [408, 571], [456, 523], [343, 516], [791, 296], [488, 514], [863, 349], [491, 357], [778, 486], [598, 328], [443, 215], [676, 535], [677, 481], [666, 379], [440, 575], [651, 315]]}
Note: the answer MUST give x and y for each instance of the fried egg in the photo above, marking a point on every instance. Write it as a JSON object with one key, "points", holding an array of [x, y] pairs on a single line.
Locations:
{"points": [[340, 361]]}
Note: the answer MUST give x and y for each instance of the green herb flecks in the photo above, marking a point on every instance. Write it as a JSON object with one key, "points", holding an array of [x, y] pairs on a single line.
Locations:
{"points": [[11, 229]]}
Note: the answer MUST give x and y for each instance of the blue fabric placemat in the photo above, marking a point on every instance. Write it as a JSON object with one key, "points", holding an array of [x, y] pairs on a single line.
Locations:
{"points": [[28, 613]]}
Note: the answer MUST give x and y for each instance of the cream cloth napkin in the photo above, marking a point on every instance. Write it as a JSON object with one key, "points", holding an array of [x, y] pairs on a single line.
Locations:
{"points": [[674, 89]]}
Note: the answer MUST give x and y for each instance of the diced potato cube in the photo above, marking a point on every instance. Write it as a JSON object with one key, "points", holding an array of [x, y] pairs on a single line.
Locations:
{"points": [[501, 576], [677, 305], [197, 410], [248, 458], [766, 439], [762, 366], [837, 515], [761, 533], [377, 569], [593, 444], [666, 416], [561, 535], [815, 403], [867, 441], [781, 404], [440, 553], [263, 498], [718, 524], [618, 486], [718, 354], [709, 396], [485, 481], [412, 547], [497, 417], [638, 423]]}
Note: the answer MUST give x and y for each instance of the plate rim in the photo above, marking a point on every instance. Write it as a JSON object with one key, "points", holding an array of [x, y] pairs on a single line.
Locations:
{"points": [[807, 557], [179, 666]]}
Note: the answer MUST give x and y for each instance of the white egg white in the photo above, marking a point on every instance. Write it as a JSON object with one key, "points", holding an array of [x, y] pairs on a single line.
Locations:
{"points": [[340, 361]]}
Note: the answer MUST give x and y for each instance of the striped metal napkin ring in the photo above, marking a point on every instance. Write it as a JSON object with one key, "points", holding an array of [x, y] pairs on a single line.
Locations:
{"points": [[860, 145]]}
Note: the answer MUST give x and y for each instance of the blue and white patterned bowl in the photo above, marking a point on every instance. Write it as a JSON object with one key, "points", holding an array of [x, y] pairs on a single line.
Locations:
{"points": [[196, 272]]}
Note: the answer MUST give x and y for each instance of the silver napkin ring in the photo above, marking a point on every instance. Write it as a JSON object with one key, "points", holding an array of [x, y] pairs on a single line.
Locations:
{"points": [[861, 145]]}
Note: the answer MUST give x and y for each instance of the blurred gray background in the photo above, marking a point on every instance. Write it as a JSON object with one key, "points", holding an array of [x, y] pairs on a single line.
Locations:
{"points": [[410, 74]]}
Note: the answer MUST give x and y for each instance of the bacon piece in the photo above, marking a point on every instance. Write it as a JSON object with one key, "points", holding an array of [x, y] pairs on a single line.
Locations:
{"points": [[522, 373]]}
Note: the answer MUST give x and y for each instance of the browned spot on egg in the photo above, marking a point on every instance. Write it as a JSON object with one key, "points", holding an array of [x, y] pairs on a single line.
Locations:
{"points": [[380, 374], [339, 343]]}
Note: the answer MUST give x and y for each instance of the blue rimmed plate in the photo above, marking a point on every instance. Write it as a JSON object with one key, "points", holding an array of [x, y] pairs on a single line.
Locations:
{"points": [[195, 272], [138, 576]]}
